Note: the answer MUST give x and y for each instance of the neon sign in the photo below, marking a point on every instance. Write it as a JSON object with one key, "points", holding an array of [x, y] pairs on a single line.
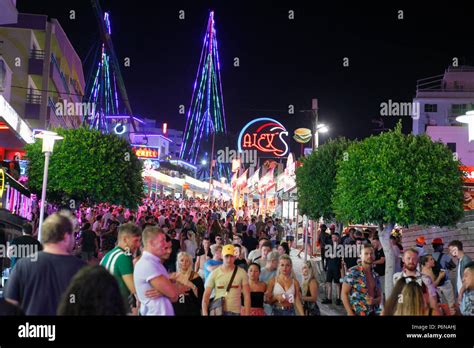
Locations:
{"points": [[146, 152], [2, 182], [267, 138]]}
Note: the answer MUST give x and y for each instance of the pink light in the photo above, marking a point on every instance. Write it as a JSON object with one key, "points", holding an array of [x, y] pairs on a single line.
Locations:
{"points": [[165, 128]]}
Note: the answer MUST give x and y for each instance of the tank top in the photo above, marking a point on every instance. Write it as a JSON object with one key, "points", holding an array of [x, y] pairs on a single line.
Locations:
{"points": [[278, 290], [256, 299]]}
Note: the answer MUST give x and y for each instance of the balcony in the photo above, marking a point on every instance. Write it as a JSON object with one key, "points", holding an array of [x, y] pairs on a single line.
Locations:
{"points": [[35, 62], [33, 106]]}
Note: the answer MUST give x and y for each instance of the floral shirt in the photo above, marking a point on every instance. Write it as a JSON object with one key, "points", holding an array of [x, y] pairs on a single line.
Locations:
{"points": [[467, 304], [358, 295]]}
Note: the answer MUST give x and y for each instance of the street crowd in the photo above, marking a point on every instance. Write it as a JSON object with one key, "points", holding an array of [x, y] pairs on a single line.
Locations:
{"points": [[189, 258]]}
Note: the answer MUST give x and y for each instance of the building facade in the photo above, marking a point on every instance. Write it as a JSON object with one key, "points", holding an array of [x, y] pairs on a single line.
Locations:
{"points": [[441, 99], [45, 70]]}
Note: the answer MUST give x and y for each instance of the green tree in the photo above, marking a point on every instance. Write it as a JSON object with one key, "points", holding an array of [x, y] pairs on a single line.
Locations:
{"points": [[316, 179], [87, 166], [401, 179]]}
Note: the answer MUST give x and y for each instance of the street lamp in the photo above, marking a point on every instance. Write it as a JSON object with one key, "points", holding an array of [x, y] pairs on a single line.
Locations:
{"points": [[469, 119], [48, 144], [320, 128]]}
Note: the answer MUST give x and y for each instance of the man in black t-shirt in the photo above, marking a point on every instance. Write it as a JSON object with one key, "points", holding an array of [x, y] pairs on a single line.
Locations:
{"points": [[37, 286], [23, 246], [333, 263], [170, 264], [89, 244]]}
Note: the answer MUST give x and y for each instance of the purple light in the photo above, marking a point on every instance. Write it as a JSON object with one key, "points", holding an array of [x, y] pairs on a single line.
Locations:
{"points": [[153, 135]]}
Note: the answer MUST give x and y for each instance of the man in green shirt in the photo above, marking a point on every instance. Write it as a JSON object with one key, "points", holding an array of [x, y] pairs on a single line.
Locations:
{"points": [[119, 260]]}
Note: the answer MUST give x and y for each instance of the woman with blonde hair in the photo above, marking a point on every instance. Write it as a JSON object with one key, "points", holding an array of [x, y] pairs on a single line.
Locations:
{"points": [[408, 298], [309, 290], [190, 287], [283, 291]]}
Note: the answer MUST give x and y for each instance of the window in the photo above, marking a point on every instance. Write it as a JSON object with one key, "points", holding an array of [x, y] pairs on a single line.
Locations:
{"points": [[431, 107], [451, 146], [459, 108]]}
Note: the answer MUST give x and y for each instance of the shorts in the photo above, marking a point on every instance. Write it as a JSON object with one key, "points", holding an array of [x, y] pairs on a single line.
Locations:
{"points": [[333, 276], [281, 311]]}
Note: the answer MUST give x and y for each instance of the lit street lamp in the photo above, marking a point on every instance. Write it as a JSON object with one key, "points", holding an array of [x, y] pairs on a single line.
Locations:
{"points": [[469, 119], [48, 144], [320, 128]]}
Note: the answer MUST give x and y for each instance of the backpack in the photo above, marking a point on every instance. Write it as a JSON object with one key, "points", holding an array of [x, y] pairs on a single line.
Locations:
{"points": [[437, 269]]}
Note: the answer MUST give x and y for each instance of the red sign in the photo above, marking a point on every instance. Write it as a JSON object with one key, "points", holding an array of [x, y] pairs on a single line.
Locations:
{"points": [[146, 152], [469, 173], [265, 135]]}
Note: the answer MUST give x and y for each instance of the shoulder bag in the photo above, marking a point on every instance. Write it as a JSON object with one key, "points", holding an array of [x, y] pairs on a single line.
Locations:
{"points": [[216, 307]]}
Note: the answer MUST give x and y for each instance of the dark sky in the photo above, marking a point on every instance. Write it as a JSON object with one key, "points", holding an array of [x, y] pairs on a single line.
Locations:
{"points": [[282, 61]]}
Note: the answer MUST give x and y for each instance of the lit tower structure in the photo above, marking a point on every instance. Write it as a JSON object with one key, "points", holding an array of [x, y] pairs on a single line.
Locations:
{"points": [[206, 115], [106, 87]]}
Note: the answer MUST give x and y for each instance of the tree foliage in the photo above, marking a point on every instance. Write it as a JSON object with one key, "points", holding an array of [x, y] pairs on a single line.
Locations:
{"points": [[88, 166], [397, 178], [316, 181]]}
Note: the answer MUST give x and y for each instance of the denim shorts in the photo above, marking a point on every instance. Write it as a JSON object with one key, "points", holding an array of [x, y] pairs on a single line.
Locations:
{"points": [[285, 312]]}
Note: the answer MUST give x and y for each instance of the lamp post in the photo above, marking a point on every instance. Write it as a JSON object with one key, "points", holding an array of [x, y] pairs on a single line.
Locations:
{"points": [[318, 128], [48, 144]]}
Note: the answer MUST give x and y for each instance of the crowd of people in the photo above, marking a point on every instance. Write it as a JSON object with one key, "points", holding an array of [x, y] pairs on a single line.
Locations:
{"points": [[186, 258], [360, 280]]}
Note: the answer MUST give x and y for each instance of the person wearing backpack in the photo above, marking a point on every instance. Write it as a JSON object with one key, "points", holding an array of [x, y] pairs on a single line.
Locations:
{"points": [[444, 261]]}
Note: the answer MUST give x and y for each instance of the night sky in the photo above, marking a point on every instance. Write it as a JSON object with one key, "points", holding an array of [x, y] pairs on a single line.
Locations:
{"points": [[282, 61]]}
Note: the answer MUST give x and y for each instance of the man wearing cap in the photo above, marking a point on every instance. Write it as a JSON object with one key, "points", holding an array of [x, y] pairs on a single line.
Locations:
{"points": [[219, 280], [444, 261], [420, 246]]}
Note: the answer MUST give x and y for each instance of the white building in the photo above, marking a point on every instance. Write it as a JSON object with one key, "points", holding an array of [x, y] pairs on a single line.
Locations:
{"points": [[443, 97]]}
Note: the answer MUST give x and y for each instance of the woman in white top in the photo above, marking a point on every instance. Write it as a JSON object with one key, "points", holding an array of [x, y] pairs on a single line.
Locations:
{"points": [[190, 245], [283, 291]]}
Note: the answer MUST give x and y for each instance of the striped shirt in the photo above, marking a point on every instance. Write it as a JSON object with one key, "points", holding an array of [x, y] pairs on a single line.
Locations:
{"points": [[119, 264]]}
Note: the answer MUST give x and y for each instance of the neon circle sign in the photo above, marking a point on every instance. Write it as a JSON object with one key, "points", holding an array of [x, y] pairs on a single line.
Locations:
{"points": [[265, 135]]}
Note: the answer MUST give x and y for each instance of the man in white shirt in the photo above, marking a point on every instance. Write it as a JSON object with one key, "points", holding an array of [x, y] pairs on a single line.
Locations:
{"points": [[150, 273]]}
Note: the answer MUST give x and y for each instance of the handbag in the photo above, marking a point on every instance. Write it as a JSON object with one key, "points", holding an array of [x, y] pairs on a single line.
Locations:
{"points": [[216, 307]]}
